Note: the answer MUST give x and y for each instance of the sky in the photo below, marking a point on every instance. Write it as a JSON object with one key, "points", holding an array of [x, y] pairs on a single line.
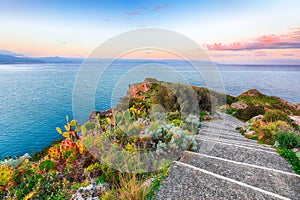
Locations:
{"points": [[232, 31]]}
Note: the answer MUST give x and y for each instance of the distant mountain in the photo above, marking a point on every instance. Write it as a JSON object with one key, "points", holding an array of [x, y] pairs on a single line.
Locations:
{"points": [[9, 53], [8, 57], [57, 59]]}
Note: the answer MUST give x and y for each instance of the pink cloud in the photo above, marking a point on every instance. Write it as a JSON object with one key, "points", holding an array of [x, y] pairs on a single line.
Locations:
{"points": [[136, 12], [272, 41], [262, 53]]}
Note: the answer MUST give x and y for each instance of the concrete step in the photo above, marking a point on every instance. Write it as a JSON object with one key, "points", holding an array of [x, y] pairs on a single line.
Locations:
{"points": [[217, 129], [239, 143], [279, 182], [189, 182], [221, 132], [228, 137], [243, 154], [232, 120], [214, 127], [217, 126]]}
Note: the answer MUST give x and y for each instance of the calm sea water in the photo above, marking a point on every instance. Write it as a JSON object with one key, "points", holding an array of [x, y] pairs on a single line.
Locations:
{"points": [[34, 98]]}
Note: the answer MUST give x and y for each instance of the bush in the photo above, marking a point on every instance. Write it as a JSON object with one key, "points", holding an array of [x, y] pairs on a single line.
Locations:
{"points": [[268, 133], [275, 115], [6, 174], [292, 159], [249, 112], [47, 165], [231, 111], [288, 140]]}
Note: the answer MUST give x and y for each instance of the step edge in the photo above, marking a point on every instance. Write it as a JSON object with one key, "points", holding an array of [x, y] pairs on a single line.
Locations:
{"points": [[240, 163], [239, 146], [232, 141], [232, 180]]}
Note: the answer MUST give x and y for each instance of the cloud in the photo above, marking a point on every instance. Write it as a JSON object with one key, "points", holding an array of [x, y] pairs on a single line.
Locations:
{"points": [[228, 55], [271, 41], [160, 7], [136, 12], [262, 53], [288, 54], [144, 7]]}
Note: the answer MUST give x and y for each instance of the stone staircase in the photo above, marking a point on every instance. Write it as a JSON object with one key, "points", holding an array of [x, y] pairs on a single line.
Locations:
{"points": [[229, 166]]}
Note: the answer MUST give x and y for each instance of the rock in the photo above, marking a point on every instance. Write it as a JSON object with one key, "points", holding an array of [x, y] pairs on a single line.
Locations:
{"points": [[248, 132], [258, 117], [239, 105], [252, 93], [92, 192], [106, 113], [296, 119], [137, 90], [148, 182], [224, 107], [255, 119]]}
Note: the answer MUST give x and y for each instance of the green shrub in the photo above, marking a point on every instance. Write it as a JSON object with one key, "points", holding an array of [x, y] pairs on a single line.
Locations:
{"points": [[288, 140], [275, 115], [292, 159], [202, 115], [231, 111], [156, 183], [47, 165], [173, 116], [254, 137], [249, 112], [268, 133], [230, 99]]}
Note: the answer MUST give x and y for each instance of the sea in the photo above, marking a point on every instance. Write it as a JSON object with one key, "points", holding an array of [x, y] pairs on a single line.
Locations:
{"points": [[35, 98]]}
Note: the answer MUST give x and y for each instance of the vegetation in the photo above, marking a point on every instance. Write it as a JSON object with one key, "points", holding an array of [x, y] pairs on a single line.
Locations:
{"points": [[292, 159], [277, 129], [288, 140], [276, 115], [255, 103], [127, 151]]}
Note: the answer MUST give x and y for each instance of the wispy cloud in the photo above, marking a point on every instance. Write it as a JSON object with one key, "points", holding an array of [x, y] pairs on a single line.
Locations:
{"points": [[271, 41], [288, 54], [229, 55], [136, 12], [160, 7], [144, 8]]}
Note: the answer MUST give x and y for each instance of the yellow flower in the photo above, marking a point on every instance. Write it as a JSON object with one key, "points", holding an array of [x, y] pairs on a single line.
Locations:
{"points": [[28, 196]]}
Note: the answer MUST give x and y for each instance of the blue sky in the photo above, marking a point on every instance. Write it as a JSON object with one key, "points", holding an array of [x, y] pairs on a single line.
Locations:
{"points": [[74, 28]]}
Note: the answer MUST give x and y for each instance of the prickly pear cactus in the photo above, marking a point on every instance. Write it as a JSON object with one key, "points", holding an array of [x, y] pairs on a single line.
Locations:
{"points": [[6, 174]]}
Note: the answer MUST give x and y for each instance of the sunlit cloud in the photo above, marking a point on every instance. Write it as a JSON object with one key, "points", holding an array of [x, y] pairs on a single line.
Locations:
{"points": [[262, 53], [271, 41], [288, 54]]}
